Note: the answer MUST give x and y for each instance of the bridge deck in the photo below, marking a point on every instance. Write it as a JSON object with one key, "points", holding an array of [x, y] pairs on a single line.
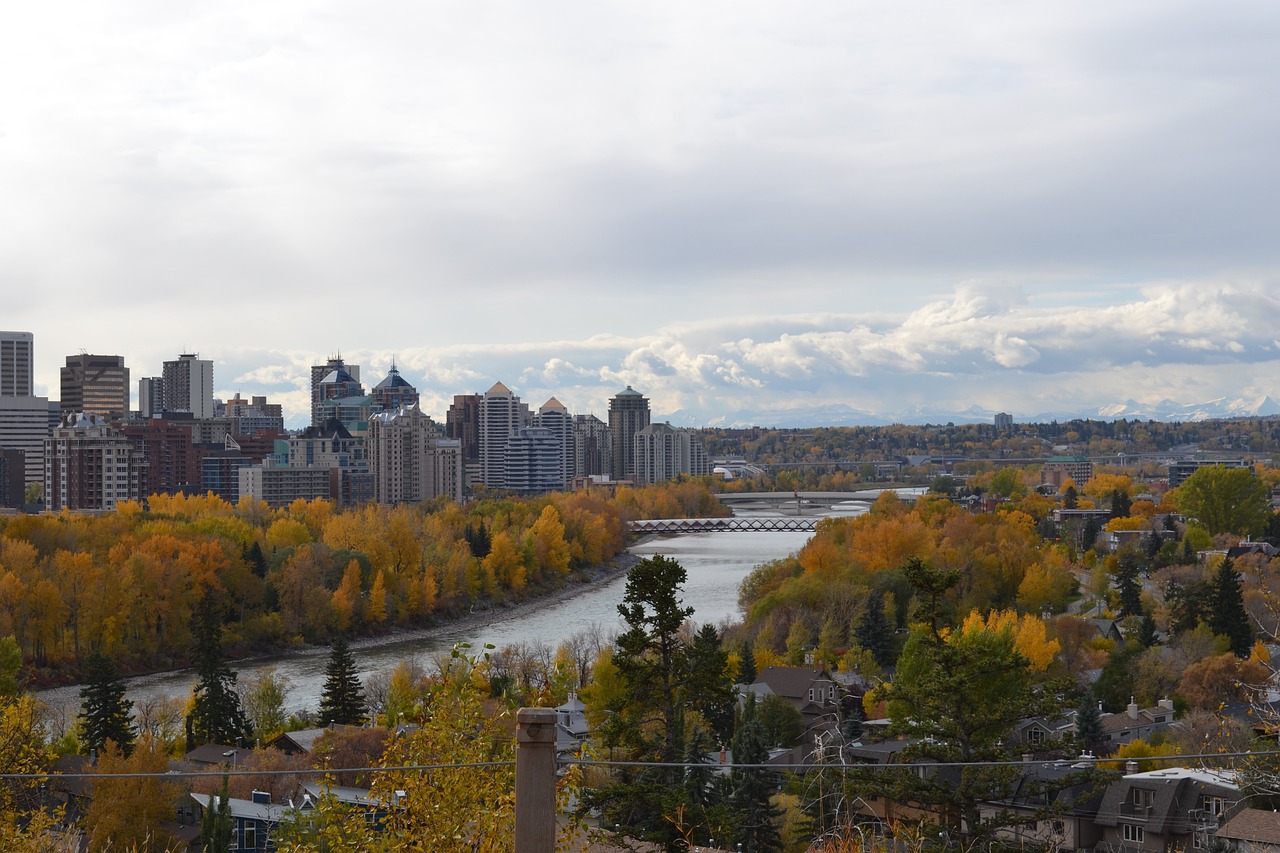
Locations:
{"points": [[695, 525]]}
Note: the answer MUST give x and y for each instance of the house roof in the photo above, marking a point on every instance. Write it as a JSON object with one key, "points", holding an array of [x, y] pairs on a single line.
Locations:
{"points": [[342, 793], [1257, 825], [303, 740], [792, 682], [245, 809], [1175, 793], [215, 753]]}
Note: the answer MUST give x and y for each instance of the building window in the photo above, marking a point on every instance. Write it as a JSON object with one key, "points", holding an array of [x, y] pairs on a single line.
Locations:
{"points": [[1035, 736], [250, 838], [1059, 827], [1143, 798], [1132, 832], [1214, 805]]}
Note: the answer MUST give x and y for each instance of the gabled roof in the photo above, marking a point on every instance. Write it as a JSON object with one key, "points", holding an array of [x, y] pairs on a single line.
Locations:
{"points": [[792, 682], [498, 388], [553, 404], [1257, 825]]}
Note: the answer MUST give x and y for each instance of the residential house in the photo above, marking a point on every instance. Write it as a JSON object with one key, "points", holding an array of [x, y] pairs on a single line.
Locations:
{"points": [[1251, 831], [812, 691], [1052, 805], [1176, 808], [253, 820], [1135, 723]]}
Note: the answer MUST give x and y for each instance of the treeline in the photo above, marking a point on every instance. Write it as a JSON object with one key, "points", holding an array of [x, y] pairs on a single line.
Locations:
{"points": [[826, 445], [126, 584]]}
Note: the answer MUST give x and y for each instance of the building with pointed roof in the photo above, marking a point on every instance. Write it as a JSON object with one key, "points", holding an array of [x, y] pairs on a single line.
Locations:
{"points": [[554, 417], [501, 414], [394, 392], [319, 372]]}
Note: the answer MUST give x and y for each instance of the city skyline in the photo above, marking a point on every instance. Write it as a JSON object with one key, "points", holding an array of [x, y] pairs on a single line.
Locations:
{"points": [[726, 207]]}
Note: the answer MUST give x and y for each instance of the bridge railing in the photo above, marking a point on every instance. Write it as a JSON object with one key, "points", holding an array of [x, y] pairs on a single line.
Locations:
{"points": [[695, 525]]}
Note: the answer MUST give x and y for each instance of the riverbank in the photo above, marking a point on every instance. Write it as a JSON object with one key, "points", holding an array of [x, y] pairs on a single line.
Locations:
{"points": [[575, 584]]}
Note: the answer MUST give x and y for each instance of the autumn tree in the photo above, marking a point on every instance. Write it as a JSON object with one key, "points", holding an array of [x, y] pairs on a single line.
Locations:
{"points": [[129, 812], [105, 713], [1225, 500], [263, 697], [961, 691]]}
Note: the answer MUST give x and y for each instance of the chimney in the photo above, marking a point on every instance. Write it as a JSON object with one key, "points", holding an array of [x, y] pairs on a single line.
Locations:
{"points": [[262, 798], [1132, 709], [1130, 767], [1167, 704], [723, 756], [1028, 757]]}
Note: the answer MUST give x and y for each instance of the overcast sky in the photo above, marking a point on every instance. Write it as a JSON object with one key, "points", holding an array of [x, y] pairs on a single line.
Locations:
{"points": [[728, 205]]}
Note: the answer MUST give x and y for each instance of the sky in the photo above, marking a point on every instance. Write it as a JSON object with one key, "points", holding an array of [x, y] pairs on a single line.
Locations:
{"points": [[730, 206]]}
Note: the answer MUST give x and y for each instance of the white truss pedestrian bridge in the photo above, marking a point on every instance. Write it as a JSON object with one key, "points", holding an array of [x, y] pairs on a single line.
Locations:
{"points": [[706, 525]]}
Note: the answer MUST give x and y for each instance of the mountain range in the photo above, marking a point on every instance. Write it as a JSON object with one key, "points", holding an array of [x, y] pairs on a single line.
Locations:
{"points": [[839, 414]]}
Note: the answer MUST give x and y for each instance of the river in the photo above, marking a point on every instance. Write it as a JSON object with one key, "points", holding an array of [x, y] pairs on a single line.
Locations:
{"points": [[715, 562]]}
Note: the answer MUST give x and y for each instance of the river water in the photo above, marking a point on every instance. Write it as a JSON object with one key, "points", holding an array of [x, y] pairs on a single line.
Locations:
{"points": [[715, 562]]}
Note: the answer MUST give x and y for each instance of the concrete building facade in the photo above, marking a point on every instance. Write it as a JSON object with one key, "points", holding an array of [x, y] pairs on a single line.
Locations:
{"points": [[663, 452], [17, 364], [628, 415], [501, 414], [403, 458], [188, 386], [90, 467], [24, 425]]}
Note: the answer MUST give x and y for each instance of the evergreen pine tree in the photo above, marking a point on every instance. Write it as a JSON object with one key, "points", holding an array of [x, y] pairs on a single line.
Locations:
{"points": [[104, 712], [256, 560], [747, 672], [1089, 725], [1121, 505], [1147, 632], [343, 697], [753, 789], [1227, 615], [215, 823], [1070, 498], [216, 716], [1090, 535], [1130, 588], [710, 688], [873, 632]]}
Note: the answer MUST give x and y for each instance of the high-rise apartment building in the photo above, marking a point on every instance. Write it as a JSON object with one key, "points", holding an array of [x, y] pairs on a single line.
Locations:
{"points": [[555, 418], [95, 385], [628, 414], [89, 467], [591, 446], [405, 459], [393, 393], [17, 359], [501, 414], [188, 386], [533, 461], [151, 396], [350, 373], [462, 422], [663, 452]]}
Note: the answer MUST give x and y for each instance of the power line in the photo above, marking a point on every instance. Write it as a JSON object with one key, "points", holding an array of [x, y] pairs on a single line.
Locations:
{"points": [[1092, 762]]}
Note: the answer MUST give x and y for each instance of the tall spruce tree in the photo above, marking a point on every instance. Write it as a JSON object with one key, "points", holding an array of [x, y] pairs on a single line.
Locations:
{"points": [[753, 791], [1227, 615], [105, 715], [1129, 585], [343, 698], [1089, 725], [873, 632], [217, 716]]}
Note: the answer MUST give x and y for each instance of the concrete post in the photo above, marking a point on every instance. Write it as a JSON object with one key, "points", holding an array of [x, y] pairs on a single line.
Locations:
{"points": [[535, 780]]}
